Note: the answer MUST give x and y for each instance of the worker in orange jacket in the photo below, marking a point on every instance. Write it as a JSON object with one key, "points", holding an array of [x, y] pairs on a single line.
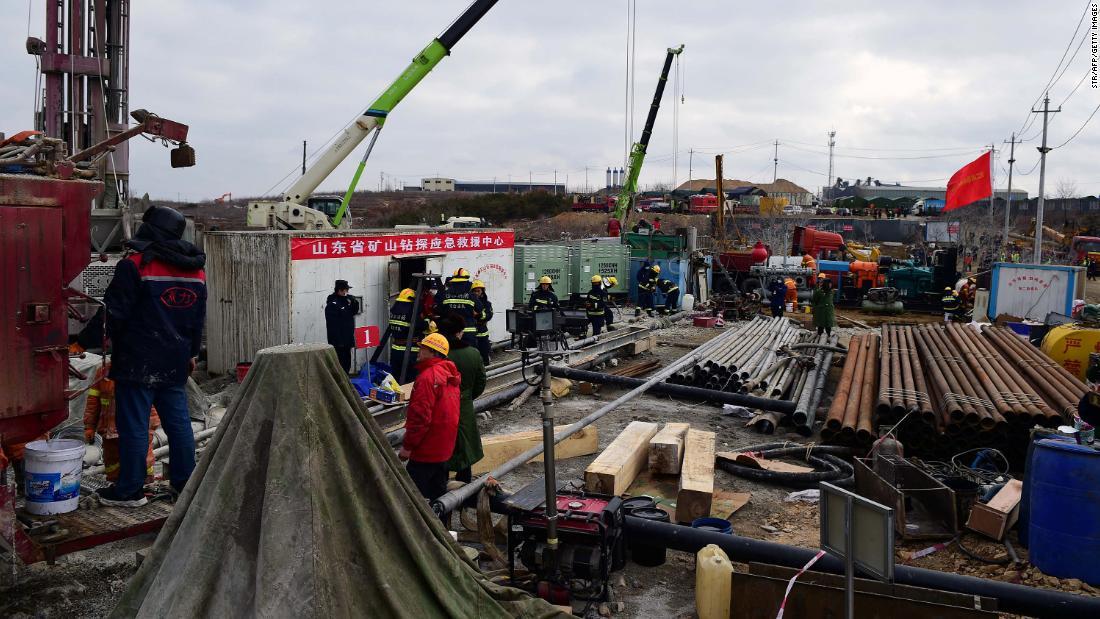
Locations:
{"points": [[808, 262], [792, 290], [99, 417]]}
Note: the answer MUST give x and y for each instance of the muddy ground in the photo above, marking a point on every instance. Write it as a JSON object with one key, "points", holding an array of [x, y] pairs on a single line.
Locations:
{"points": [[86, 584]]}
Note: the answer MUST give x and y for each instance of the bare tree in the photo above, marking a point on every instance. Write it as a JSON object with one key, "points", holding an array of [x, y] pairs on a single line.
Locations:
{"points": [[1065, 190]]}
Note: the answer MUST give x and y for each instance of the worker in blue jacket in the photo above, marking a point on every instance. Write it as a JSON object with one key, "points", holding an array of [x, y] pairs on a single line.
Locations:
{"points": [[156, 308]]}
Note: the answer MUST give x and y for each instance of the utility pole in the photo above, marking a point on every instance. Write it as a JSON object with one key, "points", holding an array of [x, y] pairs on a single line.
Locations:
{"points": [[691, 159], [303, 157], [832, 143], [1043, 150], [381, 177], [555, 182], [586, 179], [1008, 198], [775, 167]]}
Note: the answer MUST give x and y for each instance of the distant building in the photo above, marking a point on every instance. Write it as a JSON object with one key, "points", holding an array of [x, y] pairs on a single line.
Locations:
{"points": [[438, 184], [869, 189], [781, 188]]}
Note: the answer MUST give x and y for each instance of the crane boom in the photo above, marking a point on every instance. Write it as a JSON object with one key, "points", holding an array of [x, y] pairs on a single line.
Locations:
{"points": [[638, 151], [292, 211]]}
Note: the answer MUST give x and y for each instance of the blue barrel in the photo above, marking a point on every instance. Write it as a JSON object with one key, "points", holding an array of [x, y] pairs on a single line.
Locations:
{"points": [[714, 525], [1064, 527]]}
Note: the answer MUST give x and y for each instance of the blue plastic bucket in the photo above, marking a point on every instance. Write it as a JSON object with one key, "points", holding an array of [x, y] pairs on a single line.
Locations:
{"points": [[715, 525], [1064, 523]]}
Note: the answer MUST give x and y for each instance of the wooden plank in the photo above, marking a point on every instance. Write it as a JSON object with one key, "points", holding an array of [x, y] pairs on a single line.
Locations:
{"points": [[666, 449], [502, 448], [725, 503], [1007, 497], [696, 477], [761, 463], [614, 470]]}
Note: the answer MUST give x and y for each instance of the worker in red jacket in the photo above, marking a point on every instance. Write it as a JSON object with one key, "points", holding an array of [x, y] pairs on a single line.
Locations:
{"points": [[614, 227], [431, 424]]}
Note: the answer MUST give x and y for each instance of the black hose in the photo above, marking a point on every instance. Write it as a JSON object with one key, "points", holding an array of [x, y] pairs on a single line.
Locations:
{"points": [[824, 458]]}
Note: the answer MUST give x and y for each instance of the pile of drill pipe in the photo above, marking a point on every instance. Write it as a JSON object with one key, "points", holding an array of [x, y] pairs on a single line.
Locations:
{"points": [[849, 420], [948, 389], [752, 361], [814, 386]]}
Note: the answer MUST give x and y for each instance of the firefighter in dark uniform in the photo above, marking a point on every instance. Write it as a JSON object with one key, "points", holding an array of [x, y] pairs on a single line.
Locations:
{"points": [[457, 299], [951, 303], [543, 297], [609, 318], [595, 304], [482, 319], [340, 311], [401, 323], [672, 295], [647, 284]]}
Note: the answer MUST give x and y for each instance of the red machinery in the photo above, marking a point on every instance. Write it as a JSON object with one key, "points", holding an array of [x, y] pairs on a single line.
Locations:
{"points": [[703, 204], [590, 530], [814, 242]]}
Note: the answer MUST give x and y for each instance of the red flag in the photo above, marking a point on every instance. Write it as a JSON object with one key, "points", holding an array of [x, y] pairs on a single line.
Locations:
{"points": [[969, 184]]}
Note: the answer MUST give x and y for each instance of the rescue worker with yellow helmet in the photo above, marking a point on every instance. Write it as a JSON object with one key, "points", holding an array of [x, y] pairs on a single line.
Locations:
{"points": [[950, 302], [543, 297], [482, 318], [400, 326], [647, 284], [610, 282], [595, 305], [458, 299]]}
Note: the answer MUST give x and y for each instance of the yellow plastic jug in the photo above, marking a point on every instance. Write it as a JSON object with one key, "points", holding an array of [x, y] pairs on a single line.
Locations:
{"points": [[713, 579]]}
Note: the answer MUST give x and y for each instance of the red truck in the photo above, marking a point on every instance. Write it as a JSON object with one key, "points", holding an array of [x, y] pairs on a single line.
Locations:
{"points": [[703, 204], [594, 204]]}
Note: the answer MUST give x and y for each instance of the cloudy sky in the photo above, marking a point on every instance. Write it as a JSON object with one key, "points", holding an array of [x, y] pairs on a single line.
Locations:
{"points": [[913, 90]]}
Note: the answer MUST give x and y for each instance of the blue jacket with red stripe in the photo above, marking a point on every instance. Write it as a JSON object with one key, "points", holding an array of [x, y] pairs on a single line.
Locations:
{"points": [[155, 316]]}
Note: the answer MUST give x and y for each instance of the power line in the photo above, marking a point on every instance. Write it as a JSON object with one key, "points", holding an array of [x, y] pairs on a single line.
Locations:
{"points": [[1050, 82], [1088, 72], [943, 156], [1085, 124]]}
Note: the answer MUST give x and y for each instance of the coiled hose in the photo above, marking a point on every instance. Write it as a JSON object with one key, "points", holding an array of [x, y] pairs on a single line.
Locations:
{"points": [[826, 459]]}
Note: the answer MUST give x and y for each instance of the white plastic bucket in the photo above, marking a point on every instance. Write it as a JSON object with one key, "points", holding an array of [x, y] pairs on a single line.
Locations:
{"points": [[52, 484], [790, 307], [688, 303]]}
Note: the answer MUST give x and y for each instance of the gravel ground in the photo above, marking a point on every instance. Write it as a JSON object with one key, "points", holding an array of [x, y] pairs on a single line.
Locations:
{"points": [[86, 584]]}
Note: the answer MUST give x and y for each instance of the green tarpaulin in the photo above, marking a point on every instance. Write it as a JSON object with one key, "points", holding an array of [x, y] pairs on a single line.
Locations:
{"points": [[299, 508]]}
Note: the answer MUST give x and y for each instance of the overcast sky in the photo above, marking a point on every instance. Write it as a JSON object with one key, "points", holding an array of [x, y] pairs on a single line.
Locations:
{"points": [[539, 86]]}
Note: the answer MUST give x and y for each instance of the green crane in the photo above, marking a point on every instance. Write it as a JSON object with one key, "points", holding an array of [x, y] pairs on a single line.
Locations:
{"points": [[637, 152], [295, 210]]}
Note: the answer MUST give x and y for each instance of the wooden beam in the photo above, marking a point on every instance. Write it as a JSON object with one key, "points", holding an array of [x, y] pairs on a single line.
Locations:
{"points": [[614, 470], [696, 477], [666, 449], [502, 448]]}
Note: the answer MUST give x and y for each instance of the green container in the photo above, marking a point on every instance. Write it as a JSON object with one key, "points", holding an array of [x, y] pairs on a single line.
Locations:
{"points": [[603, 259], [660, 246], [534, 261]]}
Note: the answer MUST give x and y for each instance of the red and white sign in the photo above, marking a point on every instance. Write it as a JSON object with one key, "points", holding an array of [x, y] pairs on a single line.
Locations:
{"points": [[324, 248], [1031, 283], [366, 337], [848, 227]]}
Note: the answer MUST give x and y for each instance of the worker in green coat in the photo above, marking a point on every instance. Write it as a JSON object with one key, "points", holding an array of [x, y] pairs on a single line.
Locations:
{"points": [[822, 304], [468, 361]]}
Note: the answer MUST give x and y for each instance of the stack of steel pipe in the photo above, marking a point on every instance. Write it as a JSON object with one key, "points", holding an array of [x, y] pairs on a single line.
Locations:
{"points": [[849, 420], [814, 387], [948, 389], [1057, 386], [749, 362]]}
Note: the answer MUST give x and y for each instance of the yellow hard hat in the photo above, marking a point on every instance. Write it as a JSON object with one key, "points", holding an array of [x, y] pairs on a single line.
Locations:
{"points": [[545, 279], [822, 276], [477, 284], [436, 342], [596, 279], [613, 280], [432, 327], [406, 295], [657, 268], [460, 272], [949, 289]]}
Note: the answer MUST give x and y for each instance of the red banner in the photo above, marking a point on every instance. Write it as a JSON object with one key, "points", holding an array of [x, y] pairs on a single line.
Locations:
{"points": [[366, 337], [323, 248], [970, 184]]}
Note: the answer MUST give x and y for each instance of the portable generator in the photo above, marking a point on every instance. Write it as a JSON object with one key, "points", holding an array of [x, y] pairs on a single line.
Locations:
{"points": [[590, 547]]}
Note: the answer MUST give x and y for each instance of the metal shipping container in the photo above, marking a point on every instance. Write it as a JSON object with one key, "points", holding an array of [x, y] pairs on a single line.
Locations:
{"points": [[604, 259], [1031, 291], [534, 261], [269, 288]]}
